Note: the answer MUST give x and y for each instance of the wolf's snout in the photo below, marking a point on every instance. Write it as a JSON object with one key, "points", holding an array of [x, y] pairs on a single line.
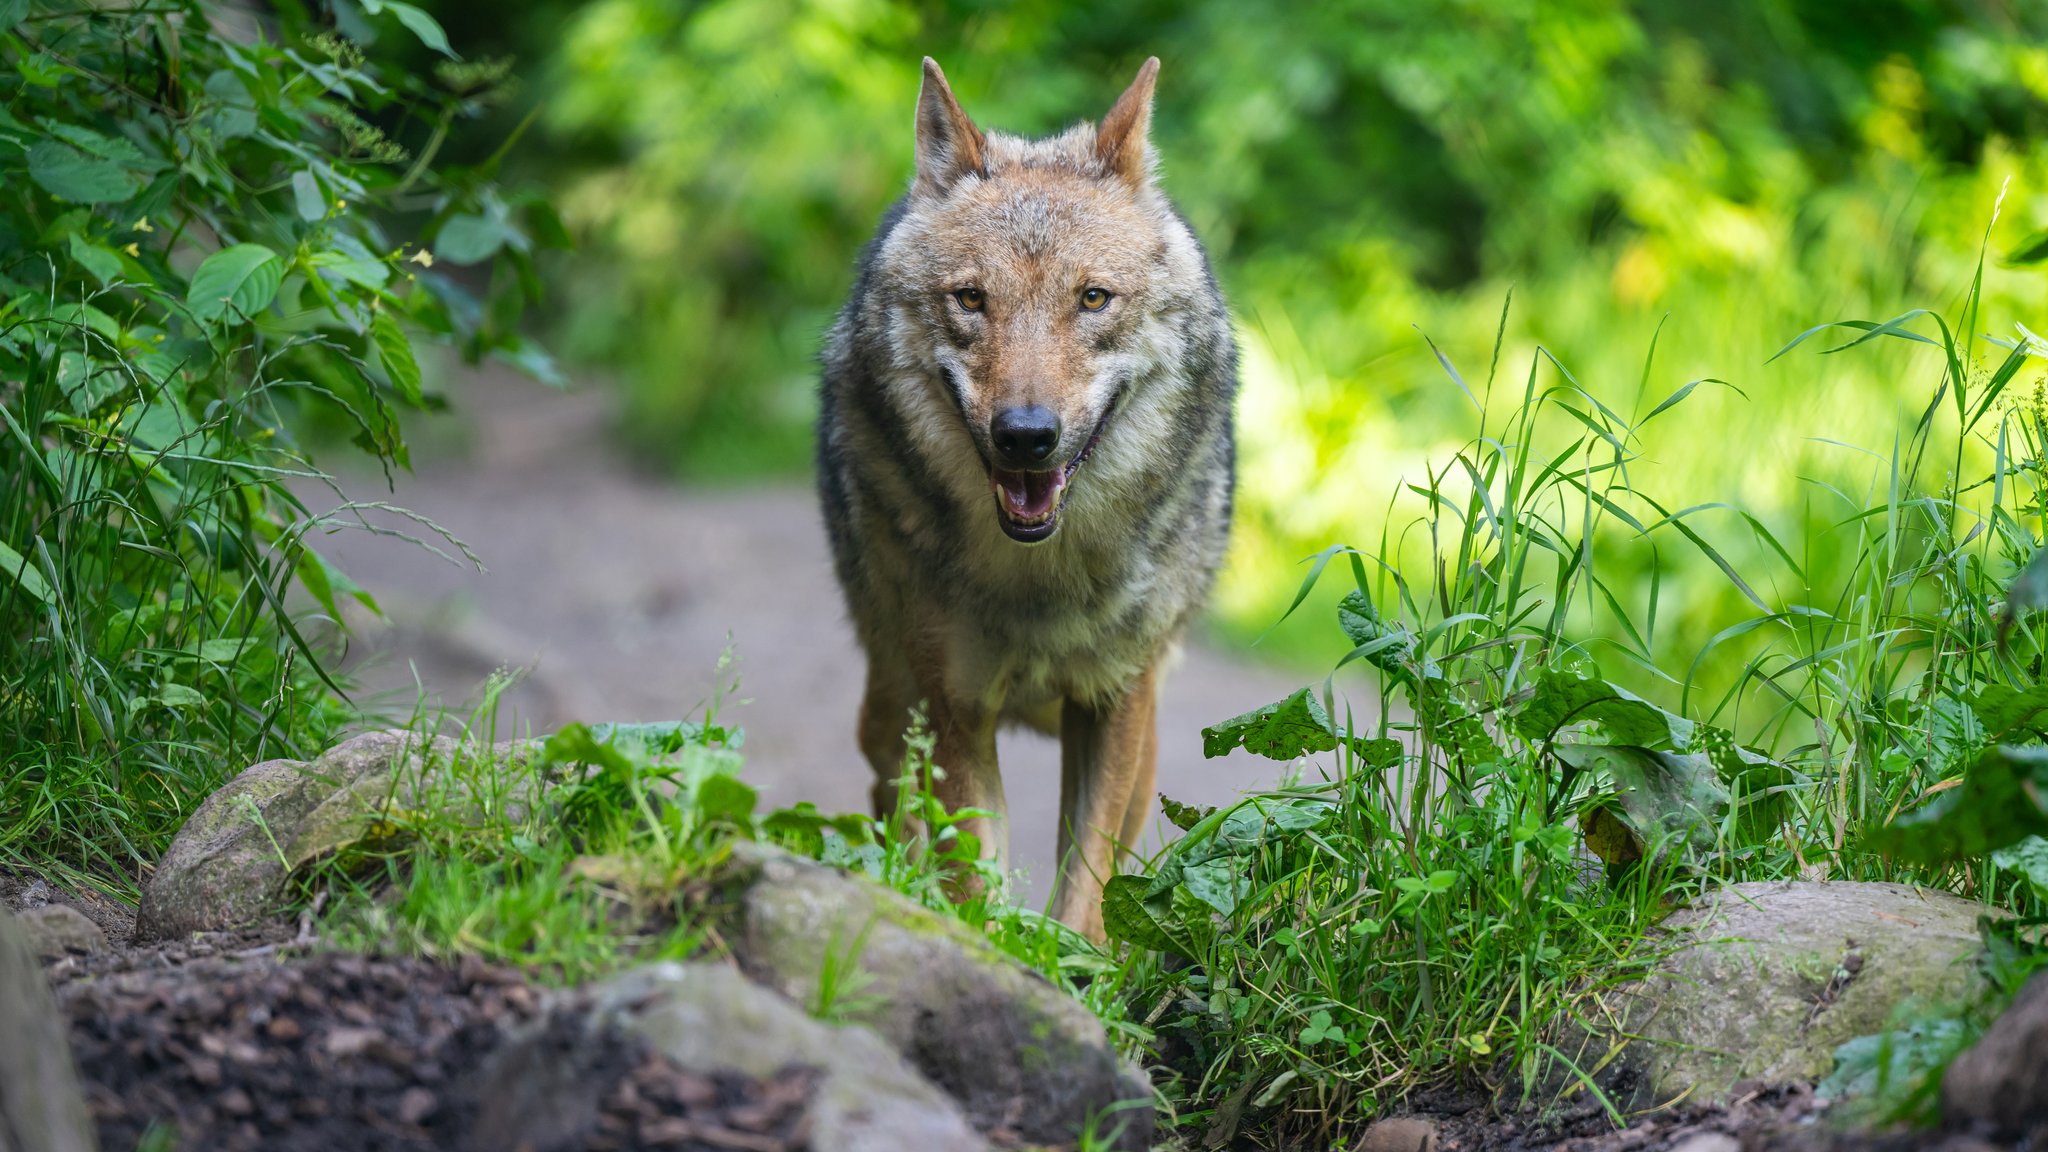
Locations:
{"points": [[1024, 437]]}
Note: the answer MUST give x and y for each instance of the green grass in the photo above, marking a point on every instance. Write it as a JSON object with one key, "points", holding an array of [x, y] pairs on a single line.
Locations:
{"points": [[1489, 822], [599, 846], [197, 254]]}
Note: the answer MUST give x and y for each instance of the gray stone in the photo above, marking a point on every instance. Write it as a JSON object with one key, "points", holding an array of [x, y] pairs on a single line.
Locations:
{"points": [[1020, 1055], [42, 1108], [1764, 980], [227, 865], [1708, 1142], [1399, 1134], [708, 1018], [2001, 1082], [59, 930]]}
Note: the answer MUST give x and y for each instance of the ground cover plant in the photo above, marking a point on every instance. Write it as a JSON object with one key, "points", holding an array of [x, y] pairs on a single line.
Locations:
{"points": [[597, 846], [1427, 905], [216, 228]]}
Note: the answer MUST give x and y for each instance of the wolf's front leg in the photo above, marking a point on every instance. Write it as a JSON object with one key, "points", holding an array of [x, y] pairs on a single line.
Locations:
{"points": [[965, 752], [1108, 759]]}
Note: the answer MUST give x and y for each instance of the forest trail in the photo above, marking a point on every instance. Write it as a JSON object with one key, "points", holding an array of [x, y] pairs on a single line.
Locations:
{"points": [[620, 589]]}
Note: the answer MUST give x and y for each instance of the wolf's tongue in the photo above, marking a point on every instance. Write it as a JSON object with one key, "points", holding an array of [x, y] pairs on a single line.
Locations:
{"points": [[1028, 496]]}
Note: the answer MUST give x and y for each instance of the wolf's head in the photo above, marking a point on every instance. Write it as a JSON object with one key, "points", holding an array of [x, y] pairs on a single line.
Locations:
{"points": [[1035, 282]]}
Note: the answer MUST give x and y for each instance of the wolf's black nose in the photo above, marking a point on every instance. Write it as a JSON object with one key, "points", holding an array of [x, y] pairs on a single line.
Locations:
{"points": [[1024, 436]]}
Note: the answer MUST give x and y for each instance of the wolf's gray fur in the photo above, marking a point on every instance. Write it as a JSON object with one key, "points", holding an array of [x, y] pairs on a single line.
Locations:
{"points": [[949, 607]]}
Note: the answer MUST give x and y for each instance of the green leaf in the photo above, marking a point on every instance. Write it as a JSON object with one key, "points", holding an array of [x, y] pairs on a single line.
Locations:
{"points": [[1258, 821], [225, 650], [2028, 591], [2001, 711], [1183, 816], [43, 70], [422, 25], [396, 351], [235, 282], [2029, 858], [1660, 795], [24, 575], [104, 265], [1279, 731], [581, 744], [115, 148], [1128, 915], [364, 270], [1563, 698], [11, 13], [69, 174], [323, 580], [469, 239], [725, 797], [1385, 646], [180, 696], [307, 197], [1450, 722], [2032, 250], [1220, 883], [1894, 1061], [1998, 804], [656, 738]]}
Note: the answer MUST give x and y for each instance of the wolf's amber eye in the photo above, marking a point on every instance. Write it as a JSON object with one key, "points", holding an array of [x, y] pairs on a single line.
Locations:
{"points": [[1094, 299], [970, 299]]}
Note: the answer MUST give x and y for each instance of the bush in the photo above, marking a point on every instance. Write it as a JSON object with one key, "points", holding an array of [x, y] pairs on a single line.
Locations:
{"points": [[1495, 843], [202, 248]]}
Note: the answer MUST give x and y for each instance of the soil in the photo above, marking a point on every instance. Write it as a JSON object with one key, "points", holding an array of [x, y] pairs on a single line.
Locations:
{"points": [[261, 1049], [1776, 1119]]}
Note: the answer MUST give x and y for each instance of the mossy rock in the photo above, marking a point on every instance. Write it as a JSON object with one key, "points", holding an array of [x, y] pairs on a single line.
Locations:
{"points": [[228, 865], [1764, 980], [1021, 1056]]}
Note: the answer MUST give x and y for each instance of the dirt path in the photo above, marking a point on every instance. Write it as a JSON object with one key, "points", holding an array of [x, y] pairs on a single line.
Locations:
{"points": [[621, 590]]}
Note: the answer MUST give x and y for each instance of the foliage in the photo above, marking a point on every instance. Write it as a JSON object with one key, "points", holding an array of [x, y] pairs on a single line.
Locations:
{"points": [[1497, 838], [600, 845], [1359, 170], [197, 253]]}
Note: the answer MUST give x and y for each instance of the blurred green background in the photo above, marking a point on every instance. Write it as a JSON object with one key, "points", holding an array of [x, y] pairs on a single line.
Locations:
{"points": [[1364, 172]]}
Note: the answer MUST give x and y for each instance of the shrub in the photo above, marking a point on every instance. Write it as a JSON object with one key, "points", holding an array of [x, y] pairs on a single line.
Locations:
{"points": [[201, 247], [1496, 841]]}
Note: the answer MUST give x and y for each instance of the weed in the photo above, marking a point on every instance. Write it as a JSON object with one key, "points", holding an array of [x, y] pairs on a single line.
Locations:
{"points": [[1496, 841]]}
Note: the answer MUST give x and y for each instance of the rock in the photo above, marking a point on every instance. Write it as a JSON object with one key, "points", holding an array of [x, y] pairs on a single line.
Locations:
{"points": [[42, 1108], [227, 865], [1399, 1134], [2001, 1082], [1767, 979], [710, 1019], [58, 930], [1021, 1056], [1708, 1142]]}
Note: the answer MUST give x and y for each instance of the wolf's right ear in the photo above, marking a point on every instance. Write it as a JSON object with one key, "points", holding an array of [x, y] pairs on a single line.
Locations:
{"points": [[949, 146]]}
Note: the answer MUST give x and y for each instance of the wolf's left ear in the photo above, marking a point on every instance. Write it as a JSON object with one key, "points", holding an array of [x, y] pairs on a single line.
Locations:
{"points": [[1123, 142], [948, 144]]}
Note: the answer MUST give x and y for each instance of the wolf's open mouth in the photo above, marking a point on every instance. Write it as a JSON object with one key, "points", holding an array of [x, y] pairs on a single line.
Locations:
{"points": [[1028, 503]]}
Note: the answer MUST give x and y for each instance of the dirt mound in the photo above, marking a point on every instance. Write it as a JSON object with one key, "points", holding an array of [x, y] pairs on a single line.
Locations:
{"points": [[343, 1051]]}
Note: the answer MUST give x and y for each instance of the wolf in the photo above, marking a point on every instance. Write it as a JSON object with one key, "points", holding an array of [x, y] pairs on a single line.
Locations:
{"points": [[1025, 463]]}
